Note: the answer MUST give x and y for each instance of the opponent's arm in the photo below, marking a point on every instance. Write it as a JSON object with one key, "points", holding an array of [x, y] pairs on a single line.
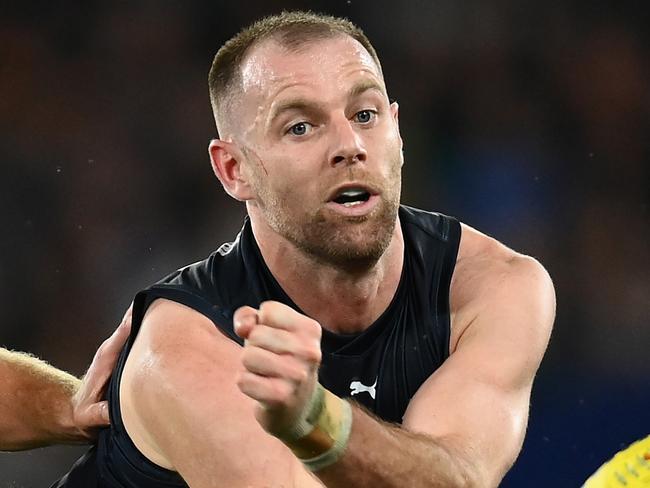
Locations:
{"points": [[466, 424], [182, 408], [42, 405]]}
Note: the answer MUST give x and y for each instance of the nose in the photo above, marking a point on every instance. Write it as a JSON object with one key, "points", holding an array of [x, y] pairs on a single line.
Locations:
{"points": [[347, 146]]}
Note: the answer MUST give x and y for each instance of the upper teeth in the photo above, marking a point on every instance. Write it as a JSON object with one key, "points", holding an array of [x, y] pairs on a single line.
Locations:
{"points": [[352, 196], [352, 193]]}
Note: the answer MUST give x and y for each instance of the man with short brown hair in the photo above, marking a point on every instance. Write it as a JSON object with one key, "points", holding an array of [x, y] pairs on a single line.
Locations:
{"points": [[342, 339]]}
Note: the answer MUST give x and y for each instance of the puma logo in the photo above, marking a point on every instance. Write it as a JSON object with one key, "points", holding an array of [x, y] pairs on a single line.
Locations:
{"points": [[357, 387]]}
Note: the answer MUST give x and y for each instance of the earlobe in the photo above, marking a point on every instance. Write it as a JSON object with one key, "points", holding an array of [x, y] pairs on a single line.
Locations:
{"points": [[226, 159]]}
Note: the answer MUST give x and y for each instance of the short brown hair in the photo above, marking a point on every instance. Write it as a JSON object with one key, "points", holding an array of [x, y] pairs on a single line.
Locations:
{"points": [[291, 30]]}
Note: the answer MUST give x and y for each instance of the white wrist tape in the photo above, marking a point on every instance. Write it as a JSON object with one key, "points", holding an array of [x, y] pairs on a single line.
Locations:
{"points": [[321, 434]]}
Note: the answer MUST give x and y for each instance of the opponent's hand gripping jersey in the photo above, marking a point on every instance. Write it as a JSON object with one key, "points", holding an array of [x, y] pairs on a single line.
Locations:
{"points": [[380, 368]]}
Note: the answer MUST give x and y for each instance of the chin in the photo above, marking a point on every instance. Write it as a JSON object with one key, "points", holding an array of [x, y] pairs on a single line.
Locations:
{"points": [[357, 243], [348, 242]]}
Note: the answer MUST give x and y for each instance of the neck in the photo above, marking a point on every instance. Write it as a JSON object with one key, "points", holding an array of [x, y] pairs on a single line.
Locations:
{"points": [[342, 300]]}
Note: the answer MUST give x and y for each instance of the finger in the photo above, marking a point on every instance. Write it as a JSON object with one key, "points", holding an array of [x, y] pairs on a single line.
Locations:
{"points": [[271, 392], [104, 413], [104, 361], [266, 363], [244, 320], [94, 381], [278, 341], [112, 346], [281, 316], [95, 415], [128, 315]]}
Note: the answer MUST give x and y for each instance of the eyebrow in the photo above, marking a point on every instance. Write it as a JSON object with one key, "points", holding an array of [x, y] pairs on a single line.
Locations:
{"points": [[298, 104], [302, 104], [363, 87]]}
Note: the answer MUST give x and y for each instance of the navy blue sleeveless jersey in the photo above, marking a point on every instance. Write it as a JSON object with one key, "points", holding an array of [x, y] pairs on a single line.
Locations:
{"points": [[381, 367]]}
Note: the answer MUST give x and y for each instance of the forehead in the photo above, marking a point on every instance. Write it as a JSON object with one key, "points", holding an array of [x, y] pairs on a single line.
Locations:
{"points": [[271, 68]]}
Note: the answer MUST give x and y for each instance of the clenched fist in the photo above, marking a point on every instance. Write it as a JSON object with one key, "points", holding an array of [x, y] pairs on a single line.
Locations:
{"points": [[280, 363]]}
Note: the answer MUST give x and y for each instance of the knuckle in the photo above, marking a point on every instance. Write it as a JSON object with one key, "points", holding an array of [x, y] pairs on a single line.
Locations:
{"points": [[272, 312], [311, 354], [300, 375], [295, 370], [315, 329], [282, 392], [317, 355]]}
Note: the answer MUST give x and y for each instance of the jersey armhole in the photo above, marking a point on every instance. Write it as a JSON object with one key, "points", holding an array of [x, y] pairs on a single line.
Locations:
{"points": [[452, 245], [222, 319]]}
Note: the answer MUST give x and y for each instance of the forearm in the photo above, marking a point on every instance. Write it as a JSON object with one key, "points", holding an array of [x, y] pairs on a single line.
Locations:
{"points": [[383, 455], [340, 443], [35, 403]]}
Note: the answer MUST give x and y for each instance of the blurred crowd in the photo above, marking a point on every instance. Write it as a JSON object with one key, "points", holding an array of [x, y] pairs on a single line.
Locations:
{"points": [[527, 120]]}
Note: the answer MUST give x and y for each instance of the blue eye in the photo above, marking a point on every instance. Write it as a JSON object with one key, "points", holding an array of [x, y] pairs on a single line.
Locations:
{"points": [[300, 129], [365, 116]]}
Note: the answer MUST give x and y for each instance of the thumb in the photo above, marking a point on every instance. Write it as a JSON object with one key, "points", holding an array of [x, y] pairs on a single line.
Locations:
{"points": [[244, 319], [104, 416], [97, 415]]}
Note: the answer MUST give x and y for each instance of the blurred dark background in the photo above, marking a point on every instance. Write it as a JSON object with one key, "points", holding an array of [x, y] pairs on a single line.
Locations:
{"points": [[528, 120]]}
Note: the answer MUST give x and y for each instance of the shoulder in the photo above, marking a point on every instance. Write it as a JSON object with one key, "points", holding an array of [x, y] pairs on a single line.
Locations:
{"points": [[174, 337], [181, 390], [483, 260], [177, 359], [215, 286], [430, 224], [490, 278], [223, 263]]}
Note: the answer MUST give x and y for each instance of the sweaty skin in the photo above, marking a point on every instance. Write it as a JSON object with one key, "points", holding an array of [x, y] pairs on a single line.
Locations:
{"points": [[321, 165], [312, 122]]}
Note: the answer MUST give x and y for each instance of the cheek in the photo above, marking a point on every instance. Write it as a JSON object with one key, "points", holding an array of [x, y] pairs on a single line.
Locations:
{"points": [[294, 174], [391, 152], [291, 175], [297, 192], [294, 189]]}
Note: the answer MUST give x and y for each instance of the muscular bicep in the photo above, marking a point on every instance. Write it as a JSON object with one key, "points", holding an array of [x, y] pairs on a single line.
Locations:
{"points": [[477, 402], [182, 404]]}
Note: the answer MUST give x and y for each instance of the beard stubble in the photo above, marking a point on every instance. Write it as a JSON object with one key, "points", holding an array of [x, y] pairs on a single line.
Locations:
{"points": [[348, 243]]}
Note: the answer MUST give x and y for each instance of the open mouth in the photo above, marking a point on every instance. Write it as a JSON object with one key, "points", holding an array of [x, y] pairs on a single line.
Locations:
{"points": [[351, 197]]}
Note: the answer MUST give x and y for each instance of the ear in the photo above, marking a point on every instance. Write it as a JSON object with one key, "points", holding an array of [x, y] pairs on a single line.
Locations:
{"points": [[394, 112], [226, 159]]}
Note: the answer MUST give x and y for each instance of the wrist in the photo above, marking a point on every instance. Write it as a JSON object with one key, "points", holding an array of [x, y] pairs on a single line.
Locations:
{"points": [[66, 429], [321, 434]]}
